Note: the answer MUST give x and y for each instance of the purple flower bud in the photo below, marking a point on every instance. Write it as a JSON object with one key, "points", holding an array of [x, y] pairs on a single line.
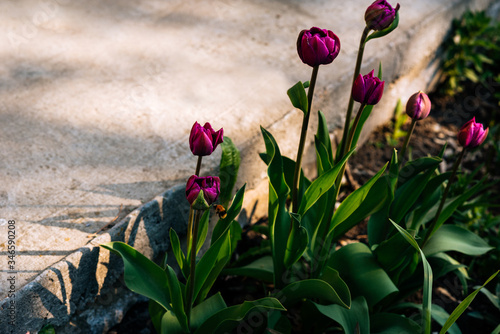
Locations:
{"points": [[208, 186], [317, 46], [367, 89], [380, 15], [472, 134], [204, 140], [418, 106]]}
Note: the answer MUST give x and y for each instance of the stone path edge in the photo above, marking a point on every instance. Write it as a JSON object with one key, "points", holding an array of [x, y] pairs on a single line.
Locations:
{"points": [[85, 292]]}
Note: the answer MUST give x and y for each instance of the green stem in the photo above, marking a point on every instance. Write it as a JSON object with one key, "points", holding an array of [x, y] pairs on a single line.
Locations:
{"points": [[190, 220], [192, 267], [407, 140], [433, 228], [303, 133], [343, 147]]}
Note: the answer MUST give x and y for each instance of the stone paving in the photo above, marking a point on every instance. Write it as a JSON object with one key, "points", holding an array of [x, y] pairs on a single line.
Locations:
{"points": [[97, 99]]}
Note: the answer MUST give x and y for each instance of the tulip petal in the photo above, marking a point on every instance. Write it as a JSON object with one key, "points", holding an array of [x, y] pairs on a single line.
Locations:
{"points": [[358, 89]]}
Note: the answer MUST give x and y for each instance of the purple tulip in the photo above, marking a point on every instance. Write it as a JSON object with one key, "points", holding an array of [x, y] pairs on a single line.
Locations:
{"points": [[209, 186], [472, 134], [203, 140], [367, 89], [380, 15], [418, 106], [317, 46]]}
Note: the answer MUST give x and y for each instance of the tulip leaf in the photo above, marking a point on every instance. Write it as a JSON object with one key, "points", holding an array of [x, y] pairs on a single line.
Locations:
{"points": [[407, 195], [156, 313], [142, 275], [463, 306], [458, 239], [227, 319], [427, 288], [229, 166], [362, 273], [350, 207], [203, 230], [414, 167], [315, 289], [176, 294], [297, 241], [298, 96], [324, 153], [321, 185], [391, 323], [206, 309], [451, 205], [210, 266], [279, 219], [178, 253], [261, 269], [382, 33], [356, 319], [232, 213]]}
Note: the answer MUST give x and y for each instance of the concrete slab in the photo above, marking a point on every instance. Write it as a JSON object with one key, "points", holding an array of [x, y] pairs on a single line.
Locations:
{"points": [[97, 100]]}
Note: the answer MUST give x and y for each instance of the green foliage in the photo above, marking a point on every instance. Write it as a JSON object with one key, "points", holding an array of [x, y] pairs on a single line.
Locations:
{"points": [[399, 118], [472, 53]]}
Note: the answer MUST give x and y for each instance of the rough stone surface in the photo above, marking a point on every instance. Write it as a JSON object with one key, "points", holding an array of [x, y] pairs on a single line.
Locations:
{"points": [[97, 99]]}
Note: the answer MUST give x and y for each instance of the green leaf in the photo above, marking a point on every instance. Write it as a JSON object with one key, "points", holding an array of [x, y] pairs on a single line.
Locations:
{"points": [[463, 306], [427, 289], [353, 320], [229, 166], [407, 195], [206, 309], [381, 33], [156, 313], [390, 323], [203, 230], [261, 269], [298, 96], [352, 204], [321, 185], [279, 219], [141, 274], [455, 238], [362, 273], [297, 241], [210, 266], [414, 167], [229, 318], [232, 212], [452, 205], [310, 289], [170, 324], [178, 253], [47, 329], [176, 296], [323, 145], [440, 316]]}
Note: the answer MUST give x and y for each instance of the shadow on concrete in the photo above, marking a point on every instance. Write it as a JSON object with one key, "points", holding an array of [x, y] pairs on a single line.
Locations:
{"points": [[92, 276]]}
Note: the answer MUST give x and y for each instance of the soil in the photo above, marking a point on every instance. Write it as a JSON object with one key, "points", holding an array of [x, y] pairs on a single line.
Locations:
{"points": [[447, 116]]}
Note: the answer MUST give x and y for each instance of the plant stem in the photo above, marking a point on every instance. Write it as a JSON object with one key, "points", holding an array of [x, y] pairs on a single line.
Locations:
{"points": [[190, 220], [343, 147], [303, 133], [192, 267], [407, 140], [433, 226]]}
